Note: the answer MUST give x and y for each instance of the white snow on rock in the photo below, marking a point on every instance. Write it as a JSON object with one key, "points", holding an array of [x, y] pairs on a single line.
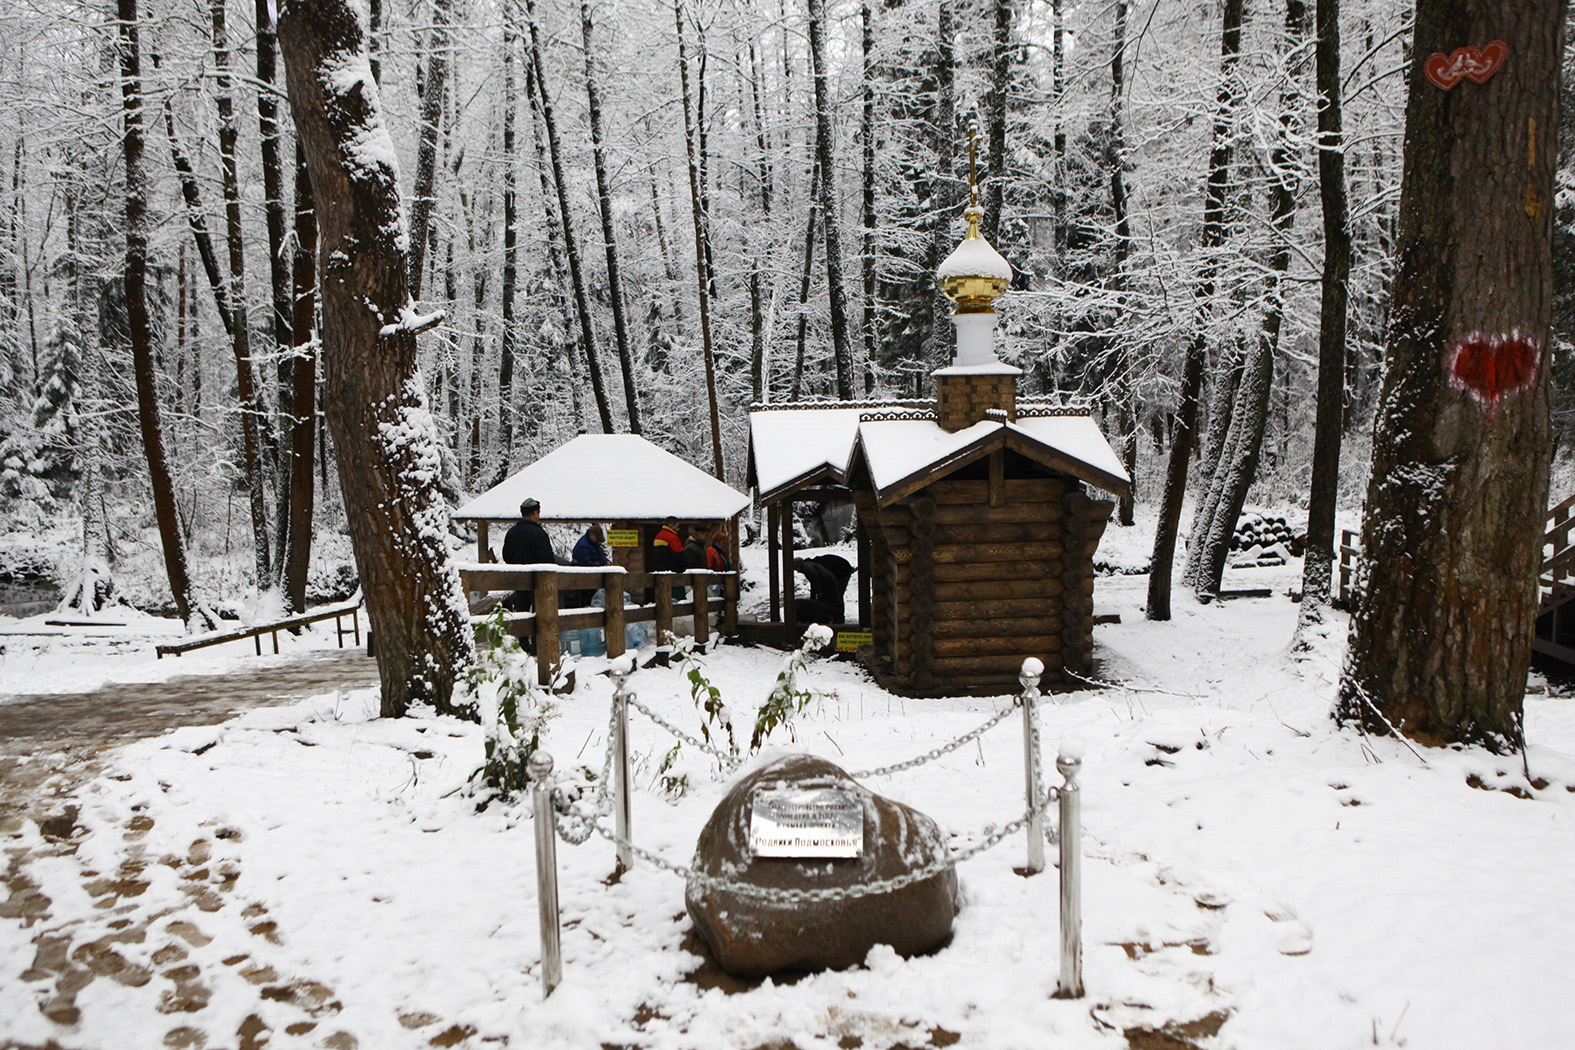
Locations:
{"points": [[608, 477]]}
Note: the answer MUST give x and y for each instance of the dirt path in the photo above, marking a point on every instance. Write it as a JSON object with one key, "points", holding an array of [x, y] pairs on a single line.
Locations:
{"points": [[50, 748]]}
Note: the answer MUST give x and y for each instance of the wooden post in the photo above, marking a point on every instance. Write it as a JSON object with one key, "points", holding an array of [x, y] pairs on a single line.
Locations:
{"points": [[664, 612], [785, 519], [612, 601], [730, 605], [702, 597], [481, 541], [547, 655], [864, 574], [775, 569]]}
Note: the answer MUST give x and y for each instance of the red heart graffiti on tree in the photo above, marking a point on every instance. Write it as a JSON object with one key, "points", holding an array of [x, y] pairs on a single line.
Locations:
{"points": [[1470, 62], [1490, 368]]}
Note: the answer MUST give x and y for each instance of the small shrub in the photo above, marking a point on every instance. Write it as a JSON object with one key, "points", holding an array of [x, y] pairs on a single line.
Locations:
{"points": [[501, 685]]}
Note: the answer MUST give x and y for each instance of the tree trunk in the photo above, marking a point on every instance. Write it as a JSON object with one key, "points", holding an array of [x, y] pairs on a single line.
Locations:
{"points": [[571, 247], [1441, 639], [805, 272], [697, 209], [1318, 560], [1121, 365], [278, 264], [384, 440], [422, 200], [1185, 418], [998, 106], [593, 95], [192, 614], [510, 275], [195, 217], [1238, 463], [759, 374], [867, 240], [303, 390], [826, 183], [250, 403]]}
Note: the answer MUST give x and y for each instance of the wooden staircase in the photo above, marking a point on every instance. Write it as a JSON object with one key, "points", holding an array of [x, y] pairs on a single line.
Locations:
{"points": [[1556, 587]]}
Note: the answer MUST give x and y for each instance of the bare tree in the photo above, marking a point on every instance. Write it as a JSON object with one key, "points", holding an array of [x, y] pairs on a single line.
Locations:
{"points": [[190, 610], [1318, 560], [826, 186]]}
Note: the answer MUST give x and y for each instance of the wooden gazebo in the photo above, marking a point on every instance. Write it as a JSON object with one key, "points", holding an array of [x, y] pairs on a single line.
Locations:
{"points": [[622, 481]]}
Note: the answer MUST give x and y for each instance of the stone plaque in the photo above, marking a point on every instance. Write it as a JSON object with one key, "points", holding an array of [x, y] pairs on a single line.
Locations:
{"points": [[806, 822]]}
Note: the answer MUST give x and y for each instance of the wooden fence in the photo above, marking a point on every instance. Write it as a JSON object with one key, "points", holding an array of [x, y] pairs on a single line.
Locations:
{"points": [[547, 622]]}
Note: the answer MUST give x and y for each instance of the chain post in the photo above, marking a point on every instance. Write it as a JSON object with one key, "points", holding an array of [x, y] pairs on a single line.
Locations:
{"points": [[623, 809], [540, 770], [1029, 677], [1071, 986]]}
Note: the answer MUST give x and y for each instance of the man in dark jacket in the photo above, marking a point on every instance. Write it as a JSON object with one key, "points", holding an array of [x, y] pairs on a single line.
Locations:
{"points": [[527, 543]]}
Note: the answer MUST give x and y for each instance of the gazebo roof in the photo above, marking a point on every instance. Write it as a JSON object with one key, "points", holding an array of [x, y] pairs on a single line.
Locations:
{"points": [[608, 477]]}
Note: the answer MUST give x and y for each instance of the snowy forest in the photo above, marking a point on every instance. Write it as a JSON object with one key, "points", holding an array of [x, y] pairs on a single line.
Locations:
{"points": [[644, 217]]}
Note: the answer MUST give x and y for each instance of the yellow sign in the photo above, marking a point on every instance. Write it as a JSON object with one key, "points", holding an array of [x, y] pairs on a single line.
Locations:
{"points": [[849, 641], [623, 537]]}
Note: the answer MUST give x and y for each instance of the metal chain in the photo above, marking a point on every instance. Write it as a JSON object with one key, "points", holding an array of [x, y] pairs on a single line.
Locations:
{"points": [[935, 753], [575, 825], [793, 897], [727, 758]]}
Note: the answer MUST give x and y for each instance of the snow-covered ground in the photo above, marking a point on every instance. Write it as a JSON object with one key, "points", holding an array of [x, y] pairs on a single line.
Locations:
{"points": [[1244, 859]]}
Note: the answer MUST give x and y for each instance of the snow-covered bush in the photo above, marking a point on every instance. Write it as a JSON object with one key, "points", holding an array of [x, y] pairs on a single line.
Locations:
{"points": [[789, 695], [500, 690]]}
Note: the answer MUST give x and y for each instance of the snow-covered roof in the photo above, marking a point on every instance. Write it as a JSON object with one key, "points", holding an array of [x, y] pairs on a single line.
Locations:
{"points": [[790, 446], [608, 477], [902, 452]]}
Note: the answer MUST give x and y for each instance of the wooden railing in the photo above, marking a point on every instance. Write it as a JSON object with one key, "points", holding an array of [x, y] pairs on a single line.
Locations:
{"points": [[337, 613], [1350, 554], [1557, 577], [547, 622], [1555, 580]]}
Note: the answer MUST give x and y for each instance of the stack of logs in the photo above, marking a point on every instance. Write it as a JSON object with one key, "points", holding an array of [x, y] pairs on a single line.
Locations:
{"points": [[966, 586]]}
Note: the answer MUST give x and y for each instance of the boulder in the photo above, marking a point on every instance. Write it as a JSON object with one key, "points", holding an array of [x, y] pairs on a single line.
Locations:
{"points": [[751, 937]]}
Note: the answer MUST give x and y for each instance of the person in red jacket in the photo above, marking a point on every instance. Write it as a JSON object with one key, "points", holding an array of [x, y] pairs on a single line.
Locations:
{"points": [[667, 555]]}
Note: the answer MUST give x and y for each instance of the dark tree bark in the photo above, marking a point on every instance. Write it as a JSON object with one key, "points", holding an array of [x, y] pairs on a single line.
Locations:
{"points": [[250, 401], [867, 238], [1185, 418], [997, 107], [826, 185], [1441, 639], [702, 269], [510, 275], [804, 274], [571, 247], [759, 379], [593, 95], [191, 612], [1238, 460], [1126, 415], [422, 200], [1318, 561], [303, 390], [196, 219], [278, 265], [384, 441]]}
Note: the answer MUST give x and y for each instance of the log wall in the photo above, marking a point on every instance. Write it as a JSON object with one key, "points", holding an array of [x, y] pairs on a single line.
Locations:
{"points": [[963, 591]]}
